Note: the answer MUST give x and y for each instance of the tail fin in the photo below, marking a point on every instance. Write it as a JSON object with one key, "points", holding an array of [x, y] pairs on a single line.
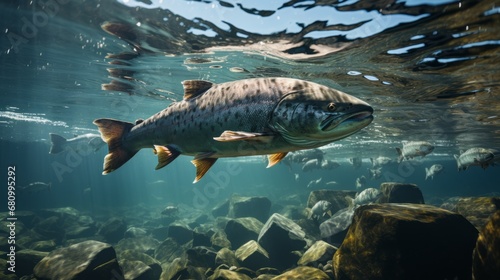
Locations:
{"points": [[329, 212], [112, 132], [427, 172], [57, 143], [458, 162], [400, 153]]}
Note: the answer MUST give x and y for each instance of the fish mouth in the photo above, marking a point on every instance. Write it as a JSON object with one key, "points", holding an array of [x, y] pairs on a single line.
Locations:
{"points": [[356, 118]]}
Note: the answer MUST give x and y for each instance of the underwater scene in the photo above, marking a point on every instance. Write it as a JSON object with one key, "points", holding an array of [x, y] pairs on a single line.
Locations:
{"points": [[210, 139]]}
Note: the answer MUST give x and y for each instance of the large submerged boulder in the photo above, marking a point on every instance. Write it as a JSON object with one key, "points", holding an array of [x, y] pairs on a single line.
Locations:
{"points": [[406, 241], [137, 256], [144, 244], [113, 229], [43, 245], [137, 270], [400, 193], [281, 236], [181, 233], [252, 255], [221, 209], [225, 274], [227, 257], [477, 209], [201, 238], [168, 250], [486, 257], [319, 253], [219, 240], [257, 207], [201, 256], [239, 231], [51, 228], [303, 272], [85, 260], [26, 260]]}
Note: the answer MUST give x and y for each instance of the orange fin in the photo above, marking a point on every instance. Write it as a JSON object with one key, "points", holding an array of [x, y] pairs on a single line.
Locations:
{"points": [[275, 158], [202, 166], [230, 136], [112, 132], [165, 155], [194, 88]]}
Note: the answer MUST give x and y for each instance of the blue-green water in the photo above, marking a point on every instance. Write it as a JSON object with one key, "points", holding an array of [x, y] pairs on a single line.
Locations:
{"points": [[430, 69], [428, 76]]}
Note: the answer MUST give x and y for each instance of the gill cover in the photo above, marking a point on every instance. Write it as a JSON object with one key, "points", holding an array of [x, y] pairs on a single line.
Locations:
{"points": [[308, 119], [298, 119]]}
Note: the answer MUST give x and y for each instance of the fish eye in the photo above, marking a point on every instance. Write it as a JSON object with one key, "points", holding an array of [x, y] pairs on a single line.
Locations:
{"points": [[331, 106]]}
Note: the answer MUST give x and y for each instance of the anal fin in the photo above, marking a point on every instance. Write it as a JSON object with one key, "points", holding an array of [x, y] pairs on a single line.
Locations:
{"points": [[275, 158], [202, 166], [165, 155]]}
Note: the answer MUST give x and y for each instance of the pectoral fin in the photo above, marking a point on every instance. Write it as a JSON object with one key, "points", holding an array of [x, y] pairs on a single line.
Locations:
{"points": [[165, 155], [275, 158], [229, 136], [202, 166]]}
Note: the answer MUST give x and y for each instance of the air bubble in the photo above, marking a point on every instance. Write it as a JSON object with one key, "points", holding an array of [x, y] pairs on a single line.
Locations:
{"points": [[371, 78], [354, 73]]}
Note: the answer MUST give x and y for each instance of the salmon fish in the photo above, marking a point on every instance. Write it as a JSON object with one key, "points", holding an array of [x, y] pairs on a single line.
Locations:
{"points": [[433, 170], [475, 156], [36, 187], [261, 116], [414, 149], [78, 143]]}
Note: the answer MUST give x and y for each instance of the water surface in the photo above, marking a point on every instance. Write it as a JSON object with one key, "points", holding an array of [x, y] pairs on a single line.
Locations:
{"points": [[429, 68]]}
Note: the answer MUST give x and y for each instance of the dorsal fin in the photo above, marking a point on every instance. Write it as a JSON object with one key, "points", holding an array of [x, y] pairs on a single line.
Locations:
{"points": [[194, 88]]}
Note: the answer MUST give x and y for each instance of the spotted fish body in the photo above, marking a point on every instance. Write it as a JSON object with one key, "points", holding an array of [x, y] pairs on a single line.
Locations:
{"points": [[269, 116], [414, 149], [475, 156]]}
